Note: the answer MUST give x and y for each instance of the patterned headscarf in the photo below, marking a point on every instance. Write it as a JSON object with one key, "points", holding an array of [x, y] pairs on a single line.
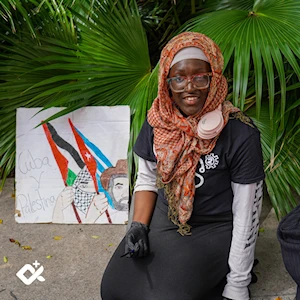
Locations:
{"points": [[178, 147], [83, 199]]}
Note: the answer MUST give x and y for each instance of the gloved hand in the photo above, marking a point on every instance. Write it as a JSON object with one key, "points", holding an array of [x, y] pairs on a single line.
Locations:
{"points": [[136, 240]]}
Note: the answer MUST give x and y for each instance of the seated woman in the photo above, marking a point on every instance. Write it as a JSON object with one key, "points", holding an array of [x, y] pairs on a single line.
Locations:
{"points": [[198, 193]]}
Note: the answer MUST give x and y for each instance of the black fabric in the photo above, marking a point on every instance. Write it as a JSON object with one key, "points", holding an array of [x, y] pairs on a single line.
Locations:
{"points": [[189, 267], [177, 268], [143, 146], [288, 234], [236, 157]]}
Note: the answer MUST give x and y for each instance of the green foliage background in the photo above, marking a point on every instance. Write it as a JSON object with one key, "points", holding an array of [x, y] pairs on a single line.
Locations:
{"points": [[73, 53]]}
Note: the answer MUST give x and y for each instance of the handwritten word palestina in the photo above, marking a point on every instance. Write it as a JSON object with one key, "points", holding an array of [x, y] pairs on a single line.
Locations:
{"points": [[30, 204], [33, 200]]}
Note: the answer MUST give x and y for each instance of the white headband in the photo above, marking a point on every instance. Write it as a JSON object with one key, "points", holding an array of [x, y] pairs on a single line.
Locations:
{"points": [[188, 53]]}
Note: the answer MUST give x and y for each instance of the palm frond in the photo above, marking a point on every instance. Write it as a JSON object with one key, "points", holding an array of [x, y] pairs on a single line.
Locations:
{"points": [[96, 53], [265, 37], [214, 5], [104, 61], [14, 13], [283, 169]]}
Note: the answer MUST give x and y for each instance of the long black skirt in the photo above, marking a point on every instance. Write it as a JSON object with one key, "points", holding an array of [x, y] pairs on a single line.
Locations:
{"points": [[288, 234], [178, 267]]}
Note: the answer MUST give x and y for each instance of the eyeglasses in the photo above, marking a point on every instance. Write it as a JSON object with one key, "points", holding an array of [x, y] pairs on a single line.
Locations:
{"points": [[199, 81]]}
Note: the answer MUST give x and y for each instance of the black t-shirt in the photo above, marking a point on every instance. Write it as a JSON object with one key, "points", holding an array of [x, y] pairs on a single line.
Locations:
{"points": [[236, 157]]}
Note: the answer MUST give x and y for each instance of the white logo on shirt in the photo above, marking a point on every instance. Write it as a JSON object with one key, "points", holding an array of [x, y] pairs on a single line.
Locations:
{"points": [[211, 162]]}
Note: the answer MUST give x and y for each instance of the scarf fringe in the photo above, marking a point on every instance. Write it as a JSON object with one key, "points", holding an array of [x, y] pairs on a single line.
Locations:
{"points": [[183, 229], [242, 117]]}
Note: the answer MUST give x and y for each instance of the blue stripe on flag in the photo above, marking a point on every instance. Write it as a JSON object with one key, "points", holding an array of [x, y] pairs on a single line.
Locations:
{"points": [[99, 166], [95, 149]]}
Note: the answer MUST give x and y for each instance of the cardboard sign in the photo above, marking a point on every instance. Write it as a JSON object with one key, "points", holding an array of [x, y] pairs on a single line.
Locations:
{"points": [[73, 169]]}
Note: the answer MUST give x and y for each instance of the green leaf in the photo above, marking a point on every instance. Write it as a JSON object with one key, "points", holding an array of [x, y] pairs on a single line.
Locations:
{"points": [[267, 34]]}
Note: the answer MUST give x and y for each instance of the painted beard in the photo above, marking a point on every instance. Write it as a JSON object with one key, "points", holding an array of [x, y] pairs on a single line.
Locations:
{"points": [[120, 205]]}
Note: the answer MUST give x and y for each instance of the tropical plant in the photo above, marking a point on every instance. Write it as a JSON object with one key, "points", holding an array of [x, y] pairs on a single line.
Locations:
{"points": [[261, 52], [86, 55], [77, 53], [161, 20]]}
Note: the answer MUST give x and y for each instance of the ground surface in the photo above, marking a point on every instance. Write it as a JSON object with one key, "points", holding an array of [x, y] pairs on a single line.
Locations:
{"points": [[73, 265]]}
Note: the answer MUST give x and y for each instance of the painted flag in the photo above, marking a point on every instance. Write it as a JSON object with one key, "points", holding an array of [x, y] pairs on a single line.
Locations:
{"points": [[62, 163], [88, 158], [101, 160], [63, 144], [102, 164]]}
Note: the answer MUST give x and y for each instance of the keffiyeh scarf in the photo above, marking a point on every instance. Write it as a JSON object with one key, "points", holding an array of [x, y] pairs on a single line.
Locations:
{"points": [[178, 147]]}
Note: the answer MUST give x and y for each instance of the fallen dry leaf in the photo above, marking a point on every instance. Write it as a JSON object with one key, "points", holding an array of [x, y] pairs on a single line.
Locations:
{"points": [[1, 221], [95, 236], [5, 259], [26, 248], [15, 241], [109, 245], [278, 298], [57, 238], [13, 195]]}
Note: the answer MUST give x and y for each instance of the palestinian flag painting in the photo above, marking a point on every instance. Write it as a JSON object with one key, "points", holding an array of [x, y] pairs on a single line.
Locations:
{"points": [[67, 169]]}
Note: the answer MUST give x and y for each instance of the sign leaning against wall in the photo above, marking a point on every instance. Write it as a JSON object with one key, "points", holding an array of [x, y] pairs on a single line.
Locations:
{"points": [[73, 169]]}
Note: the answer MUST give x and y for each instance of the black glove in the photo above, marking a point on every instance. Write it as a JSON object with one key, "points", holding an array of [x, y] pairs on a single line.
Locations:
{"points": [[136, 240]]}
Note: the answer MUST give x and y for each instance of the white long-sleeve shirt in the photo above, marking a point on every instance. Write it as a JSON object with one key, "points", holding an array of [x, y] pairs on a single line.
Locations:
{"points": [[246, 208]]}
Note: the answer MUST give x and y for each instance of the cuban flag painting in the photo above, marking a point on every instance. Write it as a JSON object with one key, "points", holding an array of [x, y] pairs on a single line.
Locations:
{"points": [[72, 169]]}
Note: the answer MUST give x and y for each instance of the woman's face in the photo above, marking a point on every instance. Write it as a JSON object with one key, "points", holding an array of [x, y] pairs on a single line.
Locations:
{"points": [[191, 100]]}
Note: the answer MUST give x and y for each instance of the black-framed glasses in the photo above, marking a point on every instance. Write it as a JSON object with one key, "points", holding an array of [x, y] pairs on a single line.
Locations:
{"points": [[200, 81]]}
